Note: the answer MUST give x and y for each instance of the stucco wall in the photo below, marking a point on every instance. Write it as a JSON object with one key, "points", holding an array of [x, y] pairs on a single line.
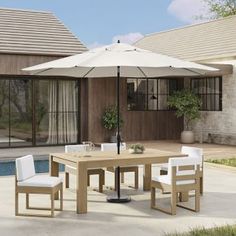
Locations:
{"points": [[220, 126]]}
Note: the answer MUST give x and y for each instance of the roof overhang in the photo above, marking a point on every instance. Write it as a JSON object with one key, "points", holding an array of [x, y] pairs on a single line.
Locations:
{"points": [[224, 69]]}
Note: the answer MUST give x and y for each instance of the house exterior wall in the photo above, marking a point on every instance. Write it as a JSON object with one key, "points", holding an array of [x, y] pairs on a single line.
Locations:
{"points": [[12, 64], [220, 126], [138, 125]]}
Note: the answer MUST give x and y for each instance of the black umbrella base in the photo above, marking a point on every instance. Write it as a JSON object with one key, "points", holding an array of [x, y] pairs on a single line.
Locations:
{"points": [[116, 199]]}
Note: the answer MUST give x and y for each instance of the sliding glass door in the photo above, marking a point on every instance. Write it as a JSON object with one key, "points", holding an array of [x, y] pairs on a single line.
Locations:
{"points": [[37, 112]]}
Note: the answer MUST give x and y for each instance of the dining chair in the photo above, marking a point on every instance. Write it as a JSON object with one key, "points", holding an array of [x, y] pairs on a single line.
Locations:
{"points": [[183, 176], [72, 170], [123, 169], [28, 182], [191, 152]]}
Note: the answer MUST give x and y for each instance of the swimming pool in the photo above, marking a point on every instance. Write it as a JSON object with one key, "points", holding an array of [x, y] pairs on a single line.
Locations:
{"points": [[41, 166]]}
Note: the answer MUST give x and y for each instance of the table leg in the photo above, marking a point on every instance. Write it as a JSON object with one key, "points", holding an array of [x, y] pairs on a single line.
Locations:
{"points": [[54, 171], [81, 188], [147, 177]]}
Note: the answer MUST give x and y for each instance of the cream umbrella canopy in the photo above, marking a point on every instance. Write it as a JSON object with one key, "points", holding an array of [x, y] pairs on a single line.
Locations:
{"points": [[119, 60], [133, 62]]}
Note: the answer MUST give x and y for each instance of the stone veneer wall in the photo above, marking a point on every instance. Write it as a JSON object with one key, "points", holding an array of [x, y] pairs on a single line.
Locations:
{"points": [[220, 126]]}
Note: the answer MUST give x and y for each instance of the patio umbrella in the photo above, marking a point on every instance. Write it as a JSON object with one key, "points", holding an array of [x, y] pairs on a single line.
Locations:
{"points": [[119, 60]]}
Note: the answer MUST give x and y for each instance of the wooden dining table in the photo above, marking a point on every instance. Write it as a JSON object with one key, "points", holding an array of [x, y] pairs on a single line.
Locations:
{"points": [[83, 161]]}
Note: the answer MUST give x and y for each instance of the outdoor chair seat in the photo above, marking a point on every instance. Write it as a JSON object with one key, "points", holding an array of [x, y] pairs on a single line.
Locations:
{"points": [[165, 179], [41, 181], [192, 152], [72, 170], [123, 169], [28, 182], [183, 176]]}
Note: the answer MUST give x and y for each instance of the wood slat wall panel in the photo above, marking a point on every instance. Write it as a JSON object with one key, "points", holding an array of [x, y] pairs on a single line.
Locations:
{"points": [[12, 64]]}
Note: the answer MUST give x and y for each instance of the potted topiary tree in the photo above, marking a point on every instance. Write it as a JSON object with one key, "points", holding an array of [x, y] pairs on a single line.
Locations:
{"points": [[109, 120], [187, 105]]}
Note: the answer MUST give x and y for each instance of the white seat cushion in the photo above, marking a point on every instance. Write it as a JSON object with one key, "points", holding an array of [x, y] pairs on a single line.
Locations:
{"points": [[41, 181], [165, 179]]}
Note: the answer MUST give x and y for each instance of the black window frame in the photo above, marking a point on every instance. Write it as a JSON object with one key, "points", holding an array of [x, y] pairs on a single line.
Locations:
{"points": [[179, 86], [206, 94]]}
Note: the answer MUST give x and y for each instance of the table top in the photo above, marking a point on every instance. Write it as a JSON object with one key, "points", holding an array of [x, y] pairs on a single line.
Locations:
{"points": [[149, 155]]}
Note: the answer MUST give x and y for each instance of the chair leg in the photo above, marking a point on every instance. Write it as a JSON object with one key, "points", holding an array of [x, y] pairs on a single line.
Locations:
{"points": [[52, 204], [101, 181], [61, 198], [197, 200], [67, 179], [153, 197], [201, 185], [173, 202], [16, 203], [115, 181], [88, 180], [136, 179], [122, 175], [27, 201]]}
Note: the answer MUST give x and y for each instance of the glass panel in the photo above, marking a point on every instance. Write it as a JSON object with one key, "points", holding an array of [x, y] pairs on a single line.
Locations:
{"points": [[204, 101], [210, 102], [56, 112], [217, 85], [173, 86], [163, 87], [202, 86], [209, 91], [4, 113], [210, 85], [152, 102], [142, 86], [67, 127], [217, 103], [152, 86], [162, 102], [137, 94], [21, 112], [41, 111]]}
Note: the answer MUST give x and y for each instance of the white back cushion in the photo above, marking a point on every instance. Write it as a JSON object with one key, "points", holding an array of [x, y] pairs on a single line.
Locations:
{"points": [[25, 168], [76, 148], [183, 161], [112, 146], [192, 151]]}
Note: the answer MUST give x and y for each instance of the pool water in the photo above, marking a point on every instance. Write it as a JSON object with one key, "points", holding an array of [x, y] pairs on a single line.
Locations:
{"points": [[41, 166]]}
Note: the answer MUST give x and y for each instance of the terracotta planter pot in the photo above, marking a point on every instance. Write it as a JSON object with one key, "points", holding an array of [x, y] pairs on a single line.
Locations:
{"points": [[187, 137]]}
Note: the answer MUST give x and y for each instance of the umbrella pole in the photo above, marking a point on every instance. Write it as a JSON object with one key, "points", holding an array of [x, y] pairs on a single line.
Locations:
{"points": [[118, 198]]}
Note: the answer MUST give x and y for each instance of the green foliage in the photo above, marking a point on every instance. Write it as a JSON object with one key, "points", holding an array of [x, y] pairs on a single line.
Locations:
{"points": [[221, 8], [227, 162], [137, 147], [187, 105], [217, 231], [109, 118]]}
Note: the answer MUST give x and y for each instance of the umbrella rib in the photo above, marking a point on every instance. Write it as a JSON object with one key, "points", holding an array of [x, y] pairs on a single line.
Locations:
{"points": [[41, 71], [194, 71], [89, 72], [142, 71]]}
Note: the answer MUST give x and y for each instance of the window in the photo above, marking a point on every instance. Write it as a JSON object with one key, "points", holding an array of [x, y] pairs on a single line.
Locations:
{"points": [[150, 94], [210, 92]]}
